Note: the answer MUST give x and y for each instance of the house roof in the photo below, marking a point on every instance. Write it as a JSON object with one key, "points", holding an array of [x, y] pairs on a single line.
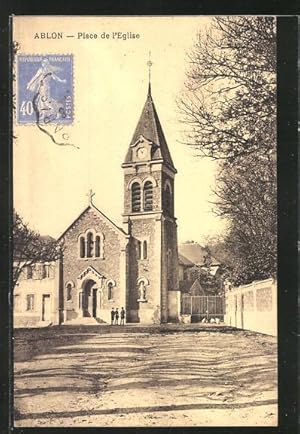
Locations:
{"points": [[184, 261], [195, 253], [107, 220], [150, 128]]}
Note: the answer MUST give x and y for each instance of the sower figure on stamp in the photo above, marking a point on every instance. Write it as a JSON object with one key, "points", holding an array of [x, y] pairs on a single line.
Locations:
{"points": [[112, 316], [117, 316], [40, 84], [122, 316]]}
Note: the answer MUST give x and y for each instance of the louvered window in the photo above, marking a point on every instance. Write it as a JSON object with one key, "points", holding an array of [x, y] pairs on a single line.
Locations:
{"points": [[148, 196], [136, 197]]}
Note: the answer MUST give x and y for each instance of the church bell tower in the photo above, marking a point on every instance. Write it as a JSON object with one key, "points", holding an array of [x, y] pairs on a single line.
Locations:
{"points": [[148, 217]]}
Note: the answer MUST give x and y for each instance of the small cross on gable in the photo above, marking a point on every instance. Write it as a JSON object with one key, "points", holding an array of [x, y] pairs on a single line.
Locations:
{"points": [[90, 195]]}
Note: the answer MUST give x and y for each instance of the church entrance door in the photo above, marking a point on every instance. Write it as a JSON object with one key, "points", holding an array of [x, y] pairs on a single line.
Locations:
{"points": [[89, 299]]}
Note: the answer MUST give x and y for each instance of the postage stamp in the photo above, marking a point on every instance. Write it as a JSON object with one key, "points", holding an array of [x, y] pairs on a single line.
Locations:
{"points": [[45, 89]]}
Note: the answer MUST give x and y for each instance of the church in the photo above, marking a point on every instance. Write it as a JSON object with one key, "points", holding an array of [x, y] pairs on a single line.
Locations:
{"points": [[105, 266]]}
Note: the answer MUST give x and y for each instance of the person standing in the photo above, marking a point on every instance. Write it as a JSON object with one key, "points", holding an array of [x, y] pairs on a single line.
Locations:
{"points": [[117, 316], [122, 316], [112, 316]]}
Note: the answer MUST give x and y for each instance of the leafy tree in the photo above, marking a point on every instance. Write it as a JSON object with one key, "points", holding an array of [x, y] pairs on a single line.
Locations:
{"points": [[229, 108], [247, 198], [29, 247]]}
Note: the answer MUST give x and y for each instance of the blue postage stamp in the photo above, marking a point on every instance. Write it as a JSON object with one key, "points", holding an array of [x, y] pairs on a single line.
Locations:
{"points": [[45, 89]]}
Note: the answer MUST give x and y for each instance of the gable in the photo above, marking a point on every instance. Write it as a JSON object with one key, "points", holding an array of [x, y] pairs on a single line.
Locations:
{"points": [[90, 272], [92, 218], [196, 288]]}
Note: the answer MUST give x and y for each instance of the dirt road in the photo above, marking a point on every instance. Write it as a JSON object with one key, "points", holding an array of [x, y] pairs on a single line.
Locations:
{"points": [[144, 379]]}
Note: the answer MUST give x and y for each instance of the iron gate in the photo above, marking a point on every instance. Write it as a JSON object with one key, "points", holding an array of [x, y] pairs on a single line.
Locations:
{"points": [[203, 306]]}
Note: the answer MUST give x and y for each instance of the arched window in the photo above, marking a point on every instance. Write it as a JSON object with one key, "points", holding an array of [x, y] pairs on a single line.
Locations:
{"points": [[69, 292], [145, 253], [89, 245], [110, 291], [148, 196], [135, 197], [139, 250], [82, 247], [168, 199], [97, 246]]}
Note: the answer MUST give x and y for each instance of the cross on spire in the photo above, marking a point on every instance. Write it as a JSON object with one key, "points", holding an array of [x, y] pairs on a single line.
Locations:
{"points": [[90, 195], [149, 64]]}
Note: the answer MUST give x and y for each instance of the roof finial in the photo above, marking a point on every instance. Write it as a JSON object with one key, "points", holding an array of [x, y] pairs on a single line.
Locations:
{"points": [[149, 64], [90, 196]]}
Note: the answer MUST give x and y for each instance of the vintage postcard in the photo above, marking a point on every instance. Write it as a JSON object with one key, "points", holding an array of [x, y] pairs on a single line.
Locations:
{"points": [[145, 221]]}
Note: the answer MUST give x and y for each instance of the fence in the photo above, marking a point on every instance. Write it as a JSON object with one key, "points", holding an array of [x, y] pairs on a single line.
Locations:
{"points": [[203, 306], [253, 307]]}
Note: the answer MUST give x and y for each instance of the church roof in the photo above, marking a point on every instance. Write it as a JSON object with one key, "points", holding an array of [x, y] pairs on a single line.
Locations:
{"points": [[150, 128], [93, 207]]}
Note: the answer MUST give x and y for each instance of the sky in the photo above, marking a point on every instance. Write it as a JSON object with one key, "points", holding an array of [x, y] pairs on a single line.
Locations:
{"points": [[110, 87]]}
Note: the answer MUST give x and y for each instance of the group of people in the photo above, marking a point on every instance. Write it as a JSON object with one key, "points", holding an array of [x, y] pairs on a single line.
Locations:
{"points": [[115, 315]]}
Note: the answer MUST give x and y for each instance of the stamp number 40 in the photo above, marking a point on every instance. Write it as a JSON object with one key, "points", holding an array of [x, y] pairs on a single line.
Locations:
{"points": [[45, 89]]}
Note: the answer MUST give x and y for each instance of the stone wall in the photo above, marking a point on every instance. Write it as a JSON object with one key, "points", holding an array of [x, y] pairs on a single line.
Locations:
{"points": [[253, 307]]}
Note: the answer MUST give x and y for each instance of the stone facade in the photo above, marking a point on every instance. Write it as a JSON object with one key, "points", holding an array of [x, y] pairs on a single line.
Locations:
{"points": [[90, 277]]}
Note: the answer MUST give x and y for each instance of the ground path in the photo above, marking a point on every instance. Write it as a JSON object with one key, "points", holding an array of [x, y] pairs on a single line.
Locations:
{"points": [[92, 377]]}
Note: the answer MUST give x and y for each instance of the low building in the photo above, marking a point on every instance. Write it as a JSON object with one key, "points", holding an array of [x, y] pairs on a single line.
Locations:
{"points": [[193, 259], [191, 253], [36, 295]]}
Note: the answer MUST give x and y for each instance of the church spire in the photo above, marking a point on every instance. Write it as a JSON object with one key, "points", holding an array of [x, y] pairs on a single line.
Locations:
{"points": [[149, 128]]}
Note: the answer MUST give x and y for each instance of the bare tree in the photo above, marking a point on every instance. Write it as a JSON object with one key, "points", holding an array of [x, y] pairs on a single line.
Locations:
{"points": [[229, 109], [29, 247], [229, 106]]}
